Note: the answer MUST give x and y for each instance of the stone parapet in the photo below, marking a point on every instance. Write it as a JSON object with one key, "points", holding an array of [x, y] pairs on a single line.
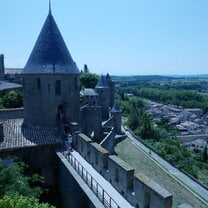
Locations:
{"points": [[138, 189]]}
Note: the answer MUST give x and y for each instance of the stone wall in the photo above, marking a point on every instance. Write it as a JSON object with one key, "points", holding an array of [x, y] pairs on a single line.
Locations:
{"points": [[73, 192], [41, 159], [138, 189], [109, 141], [12, 113], [47, 97], [91, 121]]}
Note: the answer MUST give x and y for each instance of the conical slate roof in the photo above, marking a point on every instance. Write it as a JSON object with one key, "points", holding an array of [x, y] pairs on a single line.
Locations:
{"points": [[50, 54], [108, 78], [102, 83], [116, 108]]}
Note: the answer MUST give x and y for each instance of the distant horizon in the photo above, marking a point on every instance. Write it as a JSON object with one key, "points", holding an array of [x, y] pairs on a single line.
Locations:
{"points": [[143, 37], [128, 75]]}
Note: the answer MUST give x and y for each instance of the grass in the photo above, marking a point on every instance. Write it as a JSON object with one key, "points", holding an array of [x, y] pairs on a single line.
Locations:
{"points": [[143, 164]]}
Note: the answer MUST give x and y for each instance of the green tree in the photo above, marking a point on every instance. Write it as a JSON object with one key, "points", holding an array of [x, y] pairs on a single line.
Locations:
{"points": [[14, 181], [146, 130], [12, 99], [88, 80], [18, 201]]}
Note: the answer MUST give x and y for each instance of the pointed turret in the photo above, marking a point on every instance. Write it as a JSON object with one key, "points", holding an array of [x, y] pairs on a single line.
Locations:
{"points": [[111, 85], [50, 80], [116, 108], [116, 113], [101, 83], [50, 54], [2, 67], [49, 7], [108, 78]]}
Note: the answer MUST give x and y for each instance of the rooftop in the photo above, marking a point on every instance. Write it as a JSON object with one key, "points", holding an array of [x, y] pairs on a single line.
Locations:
{"points": [[4, 85], [50, 54], [102, 83], [19, 135], [89, 92]]}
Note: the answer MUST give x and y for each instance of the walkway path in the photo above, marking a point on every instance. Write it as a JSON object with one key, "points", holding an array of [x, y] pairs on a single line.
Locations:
{"points": [[101, 184], [183, 179]]}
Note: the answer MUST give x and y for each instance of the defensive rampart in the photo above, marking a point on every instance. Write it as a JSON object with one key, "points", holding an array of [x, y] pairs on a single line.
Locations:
{"points": [[138, 189]]}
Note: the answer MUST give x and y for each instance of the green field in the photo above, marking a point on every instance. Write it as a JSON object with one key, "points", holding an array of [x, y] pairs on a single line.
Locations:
{"points": [[143, 164]]}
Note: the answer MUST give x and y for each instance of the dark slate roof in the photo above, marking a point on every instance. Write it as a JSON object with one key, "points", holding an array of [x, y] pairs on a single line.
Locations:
{"points": [[50, 54], [108, 78], [116, 108], [19, 135], [102, 83]]}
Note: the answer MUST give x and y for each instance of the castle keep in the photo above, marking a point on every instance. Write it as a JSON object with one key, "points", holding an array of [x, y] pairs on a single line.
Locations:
{"points": [[50, 80]]}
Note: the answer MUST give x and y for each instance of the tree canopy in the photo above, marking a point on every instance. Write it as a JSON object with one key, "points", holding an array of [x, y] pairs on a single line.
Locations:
{"points": [[11, 99], [185, 98], [14, 181], [88, 80], [18, 201]]}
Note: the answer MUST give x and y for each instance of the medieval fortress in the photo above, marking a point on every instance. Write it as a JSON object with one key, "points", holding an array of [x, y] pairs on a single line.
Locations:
{"points": [[52, 110]]}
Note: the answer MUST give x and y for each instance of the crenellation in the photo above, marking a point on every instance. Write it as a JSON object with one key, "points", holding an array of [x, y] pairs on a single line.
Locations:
{"points": [[120, 173], [99, 158], [138, 189], [83, 145], [149, 193]]}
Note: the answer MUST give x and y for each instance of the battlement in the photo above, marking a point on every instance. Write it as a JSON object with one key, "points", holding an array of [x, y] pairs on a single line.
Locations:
{"points": [[138, 189]]}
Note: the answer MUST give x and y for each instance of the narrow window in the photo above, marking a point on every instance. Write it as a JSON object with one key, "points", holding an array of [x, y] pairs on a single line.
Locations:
{"points": [[82, 146], [96, 159], [49, 88], [69, 88], [116, 175], [38, 84], [23, 82], [75, 83], [58, 87], [147, 199]]}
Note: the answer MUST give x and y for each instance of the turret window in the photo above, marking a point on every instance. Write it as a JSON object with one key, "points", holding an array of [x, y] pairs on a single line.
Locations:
{"points": [[58, 87], [38, 84], [49, 88], [116, 175], [23, 82], [69, 88], [75, 83]]}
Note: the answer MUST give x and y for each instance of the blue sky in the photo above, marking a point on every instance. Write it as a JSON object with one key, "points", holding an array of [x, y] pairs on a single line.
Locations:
{"points": [[122, 37]]}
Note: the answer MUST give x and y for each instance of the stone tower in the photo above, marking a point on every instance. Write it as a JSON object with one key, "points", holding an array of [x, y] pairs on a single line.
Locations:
{"points": [[2, 67], [111, 85], [116, 112], [103, 90], [50, 80]]}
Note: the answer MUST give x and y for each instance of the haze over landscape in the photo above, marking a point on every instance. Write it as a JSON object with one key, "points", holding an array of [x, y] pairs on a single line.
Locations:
{"points": [[121, 37]]}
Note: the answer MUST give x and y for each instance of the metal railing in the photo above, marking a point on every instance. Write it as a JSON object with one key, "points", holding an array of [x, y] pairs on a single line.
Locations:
{"points": [[97, 189]]}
